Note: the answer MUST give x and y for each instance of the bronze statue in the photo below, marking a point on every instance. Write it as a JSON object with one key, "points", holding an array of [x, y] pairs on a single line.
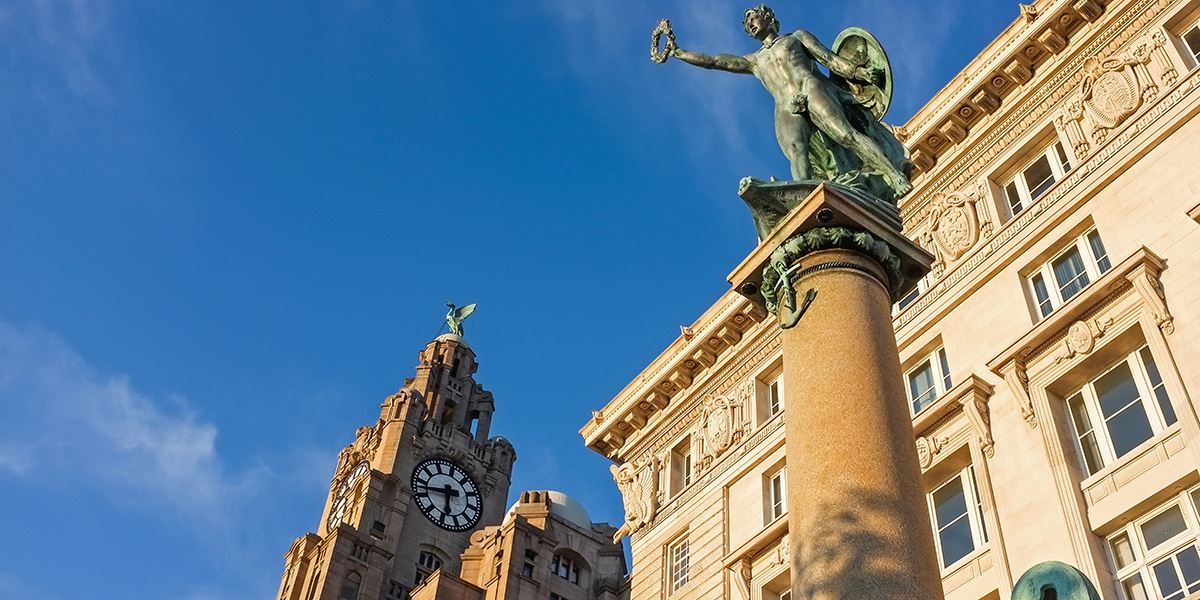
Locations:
{"points": [[456, 316], [827, 125]]}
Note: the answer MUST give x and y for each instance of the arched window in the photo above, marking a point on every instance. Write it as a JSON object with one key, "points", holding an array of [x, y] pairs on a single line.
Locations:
{"points": [[427, 563], [350, 586], [566, 567]]}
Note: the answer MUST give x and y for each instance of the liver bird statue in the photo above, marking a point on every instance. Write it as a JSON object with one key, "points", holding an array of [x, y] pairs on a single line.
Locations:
{"points": [[456, 315]]}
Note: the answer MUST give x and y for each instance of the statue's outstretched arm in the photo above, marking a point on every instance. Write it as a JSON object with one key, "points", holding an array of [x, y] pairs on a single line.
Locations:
{"points": [[835, 63], [720, 62]]}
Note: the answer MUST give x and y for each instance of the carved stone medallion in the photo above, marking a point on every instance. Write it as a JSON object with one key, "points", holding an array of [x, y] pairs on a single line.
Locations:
{"points": [[1114, 93], [718, 426], [1079, 338], [954, 226]]}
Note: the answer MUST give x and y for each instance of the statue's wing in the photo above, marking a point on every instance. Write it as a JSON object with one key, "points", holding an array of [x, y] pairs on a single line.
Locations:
{"points": [[462, 312], [861, 48]]}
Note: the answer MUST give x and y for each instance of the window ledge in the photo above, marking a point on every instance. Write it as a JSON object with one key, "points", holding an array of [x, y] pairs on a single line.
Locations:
{"points": [[968, 569], [1139, 480], [1131, 456], [757, 544], [1140, 271]]}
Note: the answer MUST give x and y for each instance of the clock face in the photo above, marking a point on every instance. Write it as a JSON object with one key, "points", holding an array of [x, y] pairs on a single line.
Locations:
{"points": [[338, 511], [447, 494]]}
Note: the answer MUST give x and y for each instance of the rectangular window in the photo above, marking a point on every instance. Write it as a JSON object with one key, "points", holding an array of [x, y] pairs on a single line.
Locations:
{"points": [[901, 304], [928, 380], [1068, 273], [1119, 410], [1156, 556], [678, 555], [957, 514], [775, 397], [565, 568], [776, 496], [1036, 178], [681, 466], [1191, 39]]}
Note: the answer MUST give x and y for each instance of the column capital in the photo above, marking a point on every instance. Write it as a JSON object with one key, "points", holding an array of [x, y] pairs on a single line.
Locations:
{"points": [[827, 217]]}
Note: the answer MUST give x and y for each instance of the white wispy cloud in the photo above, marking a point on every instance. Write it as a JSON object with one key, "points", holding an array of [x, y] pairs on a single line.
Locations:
{"points": [[160, 449], [67, 421], [70, 42]]}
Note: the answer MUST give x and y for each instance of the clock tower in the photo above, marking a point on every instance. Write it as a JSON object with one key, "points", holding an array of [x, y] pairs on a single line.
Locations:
{"points": [[410, 490]]}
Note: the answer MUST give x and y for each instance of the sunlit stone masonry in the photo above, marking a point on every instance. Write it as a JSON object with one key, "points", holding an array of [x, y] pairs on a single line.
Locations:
{"points": [[1047, 359]]}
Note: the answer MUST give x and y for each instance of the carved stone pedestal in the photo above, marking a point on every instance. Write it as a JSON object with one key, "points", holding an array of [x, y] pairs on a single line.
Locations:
{"points": [[857, 519]]}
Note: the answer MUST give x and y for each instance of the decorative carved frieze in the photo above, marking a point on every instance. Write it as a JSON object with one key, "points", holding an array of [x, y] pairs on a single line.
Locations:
{"points": [[975, 405], [1146, 280], [956, 223], [720, 428], [638, 482], [697, 351], [1018, 382], [928, 448], [1081, 338], [1088, 9], [1029, 12], [782, 554], [364, 447], [1113, 89]]}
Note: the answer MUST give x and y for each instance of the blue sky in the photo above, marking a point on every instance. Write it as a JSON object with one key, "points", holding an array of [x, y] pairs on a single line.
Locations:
{"points": [[226, 228]]}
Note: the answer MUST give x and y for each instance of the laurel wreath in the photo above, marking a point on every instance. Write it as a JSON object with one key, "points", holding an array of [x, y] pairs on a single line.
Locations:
{"points": [[657, 55]]}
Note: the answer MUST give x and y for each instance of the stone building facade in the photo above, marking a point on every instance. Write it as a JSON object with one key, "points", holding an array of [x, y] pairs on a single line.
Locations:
{"points": [[1050, 357], [410, 490], [547, 547]]}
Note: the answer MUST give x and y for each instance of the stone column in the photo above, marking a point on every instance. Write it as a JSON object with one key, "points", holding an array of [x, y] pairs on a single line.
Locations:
{"points": [[858, 524]]}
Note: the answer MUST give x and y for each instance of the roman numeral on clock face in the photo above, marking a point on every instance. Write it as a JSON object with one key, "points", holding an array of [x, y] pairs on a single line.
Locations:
{"points": [[446, 494]]}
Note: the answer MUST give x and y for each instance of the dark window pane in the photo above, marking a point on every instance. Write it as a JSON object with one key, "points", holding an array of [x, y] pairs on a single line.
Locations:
{"points": [[1070, 273], [1128, 425], [956, 541], [1062, 157], [1038, 177], [1043, 295], [920, 386], [1115, 389], [1129, 428], [1168, 580], [1013, 197], [949, 502], [1160, 390], [908, 298], [1163, 527], [1088, 444], [1189, 563], [946, 383], [1097, 246], [1192, 39]]}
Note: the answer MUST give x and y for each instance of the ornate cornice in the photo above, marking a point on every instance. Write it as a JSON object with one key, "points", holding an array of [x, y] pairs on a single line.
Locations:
{"points": [[1000, 71], [1028, 111], [1020, 226], [689, 357]]}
